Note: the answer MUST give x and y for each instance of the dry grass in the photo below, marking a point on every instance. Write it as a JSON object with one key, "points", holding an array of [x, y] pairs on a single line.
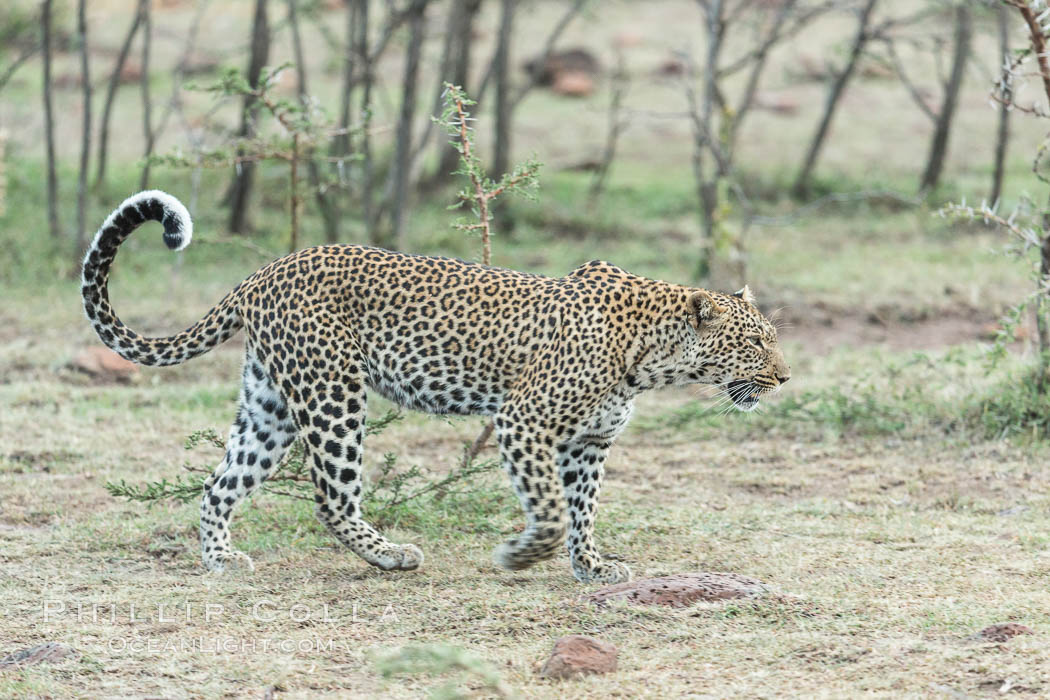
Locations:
{"points": [[890, 556]]}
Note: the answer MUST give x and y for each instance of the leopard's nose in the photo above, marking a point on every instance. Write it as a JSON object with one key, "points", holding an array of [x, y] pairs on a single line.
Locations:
{"points": [[783, 378]]}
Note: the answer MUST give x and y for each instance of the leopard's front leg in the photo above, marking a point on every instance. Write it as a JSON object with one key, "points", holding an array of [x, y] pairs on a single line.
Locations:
{"points": [[581, 463], [582, 466]]}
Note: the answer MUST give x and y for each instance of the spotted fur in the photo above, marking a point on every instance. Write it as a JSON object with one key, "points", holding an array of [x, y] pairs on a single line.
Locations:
{"points": [[556, 363]]}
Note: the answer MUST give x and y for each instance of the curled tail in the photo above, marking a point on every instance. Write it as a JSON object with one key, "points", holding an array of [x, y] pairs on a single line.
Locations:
{"points": [[221, 322]]}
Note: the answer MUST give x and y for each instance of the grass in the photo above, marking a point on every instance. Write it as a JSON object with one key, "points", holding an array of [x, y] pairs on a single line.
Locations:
{"points": [[891, 547], [895, 494], [895, 552], [958, 394]]}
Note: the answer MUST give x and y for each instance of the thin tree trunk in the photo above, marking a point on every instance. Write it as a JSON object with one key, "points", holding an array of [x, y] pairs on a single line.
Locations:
{"points": [[341, 142], [3, 172], [501, 147], [367, 166], [328, 214], [403, 148], [616, 125], [835, 93], [1042, 303], [758, 67], [111, 93], [293, 185], [49, 124], [1002, 139], [460, 73], [707, 188], [1042, 306], [240, 189], [939, 145], [174, 104], [147, 118], [85, 137], [448, 48]]}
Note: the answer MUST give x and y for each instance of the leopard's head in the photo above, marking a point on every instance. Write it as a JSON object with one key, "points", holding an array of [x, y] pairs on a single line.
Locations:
{"points": [[734, 347]]}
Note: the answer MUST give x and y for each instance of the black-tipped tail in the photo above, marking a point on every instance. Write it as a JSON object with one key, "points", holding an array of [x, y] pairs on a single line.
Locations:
{"points": [[216, 326]]}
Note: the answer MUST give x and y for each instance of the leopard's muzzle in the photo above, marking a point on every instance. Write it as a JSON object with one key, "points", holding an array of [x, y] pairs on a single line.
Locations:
{"points": [[744, 394]]}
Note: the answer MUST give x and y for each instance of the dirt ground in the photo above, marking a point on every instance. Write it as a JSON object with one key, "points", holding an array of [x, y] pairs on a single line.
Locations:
{"points": [[820, 329], [888, 555]]}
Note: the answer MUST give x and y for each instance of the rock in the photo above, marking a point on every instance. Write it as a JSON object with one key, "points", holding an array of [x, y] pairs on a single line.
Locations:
{"points": [[42, 653], [573, 84], [671, 68], [130, 73], [680, 590], [200, 65], [104, 364], [628, 40], [809, 69], [875, 70], [778, 104], [992, 331], [1004, 631], [577, 655], [545, 70]]}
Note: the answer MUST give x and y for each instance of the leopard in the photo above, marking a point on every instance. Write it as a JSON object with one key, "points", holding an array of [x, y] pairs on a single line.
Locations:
{"points": [[554, 362]]}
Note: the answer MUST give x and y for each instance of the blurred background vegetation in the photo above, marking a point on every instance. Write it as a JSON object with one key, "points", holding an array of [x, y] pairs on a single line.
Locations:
{"points": [[828, 152]]}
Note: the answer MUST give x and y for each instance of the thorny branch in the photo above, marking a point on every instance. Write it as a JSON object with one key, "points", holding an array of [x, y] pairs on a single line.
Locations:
{"points": [[1038, 39], [479, 189], [1026, 235], [456, 120]]}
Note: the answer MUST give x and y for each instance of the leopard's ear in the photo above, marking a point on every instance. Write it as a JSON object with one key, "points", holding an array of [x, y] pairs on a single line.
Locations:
{"points": [[703, 308], [746, 295]]}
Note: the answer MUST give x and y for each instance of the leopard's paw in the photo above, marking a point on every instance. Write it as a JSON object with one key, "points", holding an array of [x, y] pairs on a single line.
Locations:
{"points": [[507, 556], [220, 562], [607, 572], [411, 557], [402, 557]]}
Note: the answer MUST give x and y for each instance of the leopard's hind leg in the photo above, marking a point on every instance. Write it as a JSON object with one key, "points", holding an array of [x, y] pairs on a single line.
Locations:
{"points": [[259, 438], [323, 383]]}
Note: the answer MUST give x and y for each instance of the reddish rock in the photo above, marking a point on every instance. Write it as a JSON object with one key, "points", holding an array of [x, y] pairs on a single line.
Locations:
{"points": [[1004, 631], [628, 40], [102, 363], [991, 332], [778, 104], [680, 590], [577, 655], [42, 653], [573, 84], [130, 73], [546, 69], [671, 68]]}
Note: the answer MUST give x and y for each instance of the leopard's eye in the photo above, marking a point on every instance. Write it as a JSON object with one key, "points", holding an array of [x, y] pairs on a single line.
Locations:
{"points": [[757, 342]]}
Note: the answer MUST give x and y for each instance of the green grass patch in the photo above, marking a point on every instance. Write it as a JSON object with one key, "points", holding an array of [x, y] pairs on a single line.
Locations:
{"points": [[951, 394]]}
